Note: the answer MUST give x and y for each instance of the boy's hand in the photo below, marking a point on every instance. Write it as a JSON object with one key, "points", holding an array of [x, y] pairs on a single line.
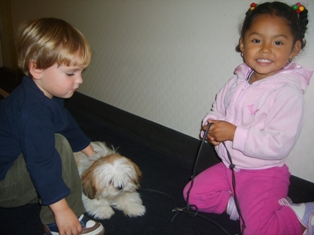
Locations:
{"points": [[90, 153], [219, 131], [94, 157], [67, 222]]}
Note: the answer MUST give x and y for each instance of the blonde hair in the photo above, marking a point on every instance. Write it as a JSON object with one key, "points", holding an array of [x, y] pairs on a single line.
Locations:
{"points": [[47, 41]]}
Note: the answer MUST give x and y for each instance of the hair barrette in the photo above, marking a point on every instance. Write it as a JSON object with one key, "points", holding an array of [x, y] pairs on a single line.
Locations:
{"points": [[252, 6], [298, 8]]}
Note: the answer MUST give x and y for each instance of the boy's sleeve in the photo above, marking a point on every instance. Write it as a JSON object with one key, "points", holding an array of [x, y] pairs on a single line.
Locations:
{"points": [[71, 130], [76, 137], [42, 159]]}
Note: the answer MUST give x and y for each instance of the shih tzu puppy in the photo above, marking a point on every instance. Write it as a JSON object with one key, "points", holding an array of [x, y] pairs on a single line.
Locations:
{"points": [[109, 182]]}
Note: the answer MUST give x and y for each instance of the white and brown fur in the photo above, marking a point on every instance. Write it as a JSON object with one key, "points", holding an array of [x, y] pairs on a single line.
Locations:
{"points": [[110, 182]]}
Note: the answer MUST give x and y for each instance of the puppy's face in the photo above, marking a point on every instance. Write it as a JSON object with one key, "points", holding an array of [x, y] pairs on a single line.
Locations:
{"points": [[110, 176]]}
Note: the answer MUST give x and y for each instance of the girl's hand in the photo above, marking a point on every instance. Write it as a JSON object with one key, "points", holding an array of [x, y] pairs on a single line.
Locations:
{"points": [[219, 131], [67, 222]]}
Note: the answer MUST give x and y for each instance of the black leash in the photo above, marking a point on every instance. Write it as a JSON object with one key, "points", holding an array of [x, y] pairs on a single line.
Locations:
{"points": [[231, 166], [192, 210]]}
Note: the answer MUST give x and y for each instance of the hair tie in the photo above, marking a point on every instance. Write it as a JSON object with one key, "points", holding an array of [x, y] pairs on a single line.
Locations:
{"points": [[298, 8], [252, 6]]}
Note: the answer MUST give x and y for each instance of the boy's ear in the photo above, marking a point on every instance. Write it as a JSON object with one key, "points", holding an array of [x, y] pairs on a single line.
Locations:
{"points": [[34, 71]]}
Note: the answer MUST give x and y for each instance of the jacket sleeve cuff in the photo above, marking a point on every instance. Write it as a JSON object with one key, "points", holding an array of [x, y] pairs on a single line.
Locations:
{"points": [[240, 137], [53, 193]]}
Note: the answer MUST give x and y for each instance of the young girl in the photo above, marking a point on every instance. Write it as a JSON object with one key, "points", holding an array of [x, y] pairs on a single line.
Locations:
{"points": [[38, 135], [258, 116]]}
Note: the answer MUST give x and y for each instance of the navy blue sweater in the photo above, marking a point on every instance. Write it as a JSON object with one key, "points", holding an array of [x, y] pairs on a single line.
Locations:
{"points": [[28, 122]]}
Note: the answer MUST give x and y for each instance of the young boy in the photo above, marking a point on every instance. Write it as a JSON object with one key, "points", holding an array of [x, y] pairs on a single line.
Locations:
{"points": [[38, 135]]}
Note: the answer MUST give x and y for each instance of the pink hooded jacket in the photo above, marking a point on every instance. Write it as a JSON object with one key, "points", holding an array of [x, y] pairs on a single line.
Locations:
{"points": [[269, 115]]}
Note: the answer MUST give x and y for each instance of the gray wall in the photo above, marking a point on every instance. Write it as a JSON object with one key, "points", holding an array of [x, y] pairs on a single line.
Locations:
{"points": [[165, 60]]}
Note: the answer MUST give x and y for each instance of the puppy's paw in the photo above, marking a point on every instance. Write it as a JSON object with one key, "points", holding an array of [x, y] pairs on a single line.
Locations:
{"points": [[135, 210], [103, 213]]}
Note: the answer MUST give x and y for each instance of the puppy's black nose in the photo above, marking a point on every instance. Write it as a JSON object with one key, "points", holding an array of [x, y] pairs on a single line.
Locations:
{"points": [[120, 188]]}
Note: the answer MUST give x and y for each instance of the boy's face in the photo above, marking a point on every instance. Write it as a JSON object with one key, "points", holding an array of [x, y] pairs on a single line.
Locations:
{"points": [[59, 81]]}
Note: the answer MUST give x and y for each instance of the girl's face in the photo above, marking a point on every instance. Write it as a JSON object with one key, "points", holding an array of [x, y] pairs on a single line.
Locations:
{"points": [[268, 45], [59, 81]]}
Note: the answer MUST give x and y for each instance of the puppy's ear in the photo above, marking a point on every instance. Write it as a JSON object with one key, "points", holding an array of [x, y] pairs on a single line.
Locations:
{"points": [[138, 173], [88, 184]]}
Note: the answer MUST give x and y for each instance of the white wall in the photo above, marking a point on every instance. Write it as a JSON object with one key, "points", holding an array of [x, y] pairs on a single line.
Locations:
{"points": [[165, 60]]}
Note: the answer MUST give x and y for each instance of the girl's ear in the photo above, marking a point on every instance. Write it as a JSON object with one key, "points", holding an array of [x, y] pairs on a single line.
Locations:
{"points": [[34, 71], [296, 49], [241, 45]]}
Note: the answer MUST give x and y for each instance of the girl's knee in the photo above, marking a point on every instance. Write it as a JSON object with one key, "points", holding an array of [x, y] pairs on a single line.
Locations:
{"points": [[186, 191]]}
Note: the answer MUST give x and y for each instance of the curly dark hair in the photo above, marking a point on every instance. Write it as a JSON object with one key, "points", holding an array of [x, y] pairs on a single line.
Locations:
{"points": [[297, 22]]}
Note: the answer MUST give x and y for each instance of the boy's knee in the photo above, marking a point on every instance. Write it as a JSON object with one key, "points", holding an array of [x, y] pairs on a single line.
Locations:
{"points": [[62, 144], [61, 141], [17, 189]]}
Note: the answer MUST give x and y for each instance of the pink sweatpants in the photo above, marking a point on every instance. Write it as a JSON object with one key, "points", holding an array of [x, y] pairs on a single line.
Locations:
{"points": [[258, 193]]}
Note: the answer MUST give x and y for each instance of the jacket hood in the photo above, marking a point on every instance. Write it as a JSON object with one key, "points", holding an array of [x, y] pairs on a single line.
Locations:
{"points": [[292, 72]]}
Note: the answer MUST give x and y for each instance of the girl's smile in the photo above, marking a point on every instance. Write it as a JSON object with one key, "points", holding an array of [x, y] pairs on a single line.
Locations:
{"points": [[263, 61]]}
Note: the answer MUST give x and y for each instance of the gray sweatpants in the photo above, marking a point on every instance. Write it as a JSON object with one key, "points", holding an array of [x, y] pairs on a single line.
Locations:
{"points": [[17, 188]]}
